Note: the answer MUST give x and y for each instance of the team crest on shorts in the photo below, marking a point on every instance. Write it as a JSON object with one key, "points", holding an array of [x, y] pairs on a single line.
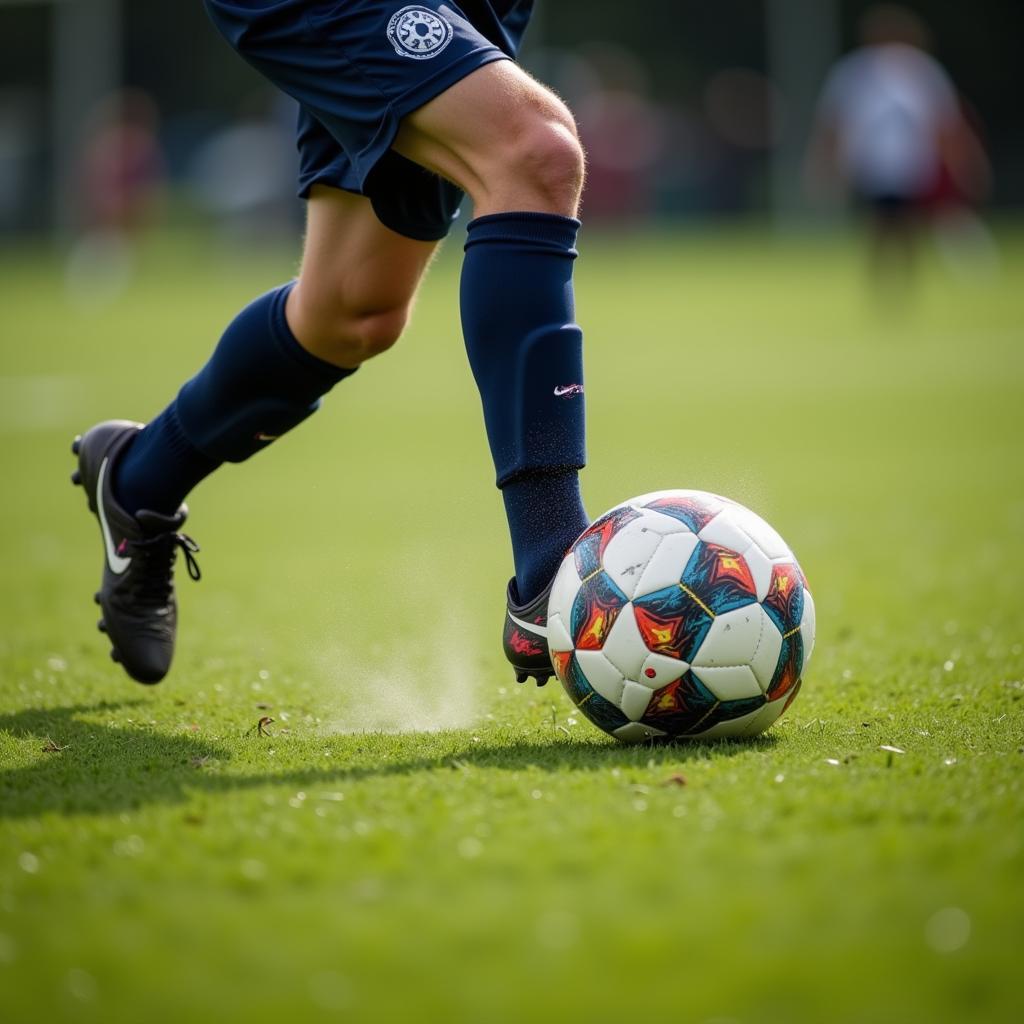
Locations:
{"points": [[419, 32]]}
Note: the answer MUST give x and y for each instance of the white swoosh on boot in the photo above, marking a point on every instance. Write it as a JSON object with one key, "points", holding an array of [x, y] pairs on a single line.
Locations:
{"points": [[118, 563], [530, 627]]}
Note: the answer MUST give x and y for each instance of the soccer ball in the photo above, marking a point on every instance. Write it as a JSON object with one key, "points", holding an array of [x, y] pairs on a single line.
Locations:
{"points": [[680, 614]]}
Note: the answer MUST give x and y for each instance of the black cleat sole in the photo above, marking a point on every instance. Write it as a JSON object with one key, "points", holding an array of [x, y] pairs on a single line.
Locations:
{"points": [[76, 444], [76, 478], [101, 626]]}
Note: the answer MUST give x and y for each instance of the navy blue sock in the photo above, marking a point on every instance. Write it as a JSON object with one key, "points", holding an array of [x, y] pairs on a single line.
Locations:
{"points": [[160, 467], [526, 353], [545, 515], [258, 384]]}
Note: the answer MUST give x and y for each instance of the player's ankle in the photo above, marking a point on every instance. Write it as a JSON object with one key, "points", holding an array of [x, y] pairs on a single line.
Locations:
{"points": [[545, 514]]}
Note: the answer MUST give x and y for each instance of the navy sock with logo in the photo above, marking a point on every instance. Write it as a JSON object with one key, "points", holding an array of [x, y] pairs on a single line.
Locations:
{"points": [[258, 384], [526, 353]]}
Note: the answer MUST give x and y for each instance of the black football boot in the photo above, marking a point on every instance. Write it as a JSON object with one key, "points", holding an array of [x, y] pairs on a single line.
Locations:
{"points": [[525, 638], [136, 594]]}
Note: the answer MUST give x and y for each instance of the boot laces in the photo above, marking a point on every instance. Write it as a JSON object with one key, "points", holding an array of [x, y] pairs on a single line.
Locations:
{"points": [[155, 574]]}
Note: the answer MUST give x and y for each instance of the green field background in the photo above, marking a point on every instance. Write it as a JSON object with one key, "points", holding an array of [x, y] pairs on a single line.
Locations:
{"points": [[418, 838]]}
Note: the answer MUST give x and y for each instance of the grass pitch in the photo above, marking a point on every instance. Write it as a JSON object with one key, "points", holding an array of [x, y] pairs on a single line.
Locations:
{"points": [[417, 838]]}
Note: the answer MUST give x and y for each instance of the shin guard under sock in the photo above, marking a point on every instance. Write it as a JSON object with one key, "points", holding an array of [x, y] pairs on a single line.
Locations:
{"points": [[526, 354], [258, 384]]}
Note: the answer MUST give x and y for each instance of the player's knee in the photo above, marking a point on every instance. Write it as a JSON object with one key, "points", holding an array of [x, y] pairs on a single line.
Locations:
{"points": [[545, 157], [551, 161], [538, 162], [346, 334], [375, 332]]}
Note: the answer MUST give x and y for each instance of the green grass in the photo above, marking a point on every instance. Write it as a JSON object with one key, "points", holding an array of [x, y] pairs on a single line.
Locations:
{"points": [[420, 839]]}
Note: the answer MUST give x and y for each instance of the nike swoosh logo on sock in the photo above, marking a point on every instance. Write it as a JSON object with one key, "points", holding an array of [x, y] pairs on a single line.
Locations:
{"points": [[565, 390], [118, 563], [530, 627]]}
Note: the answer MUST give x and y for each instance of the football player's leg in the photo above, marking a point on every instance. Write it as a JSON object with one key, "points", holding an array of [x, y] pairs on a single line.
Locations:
{"points": [[512, 145], [504, 138], [358, 280], [282, 353]]}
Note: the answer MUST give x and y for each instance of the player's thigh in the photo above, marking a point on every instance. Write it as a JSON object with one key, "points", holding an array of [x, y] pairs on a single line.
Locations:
{"points": [[493, 128], [358, 278]]}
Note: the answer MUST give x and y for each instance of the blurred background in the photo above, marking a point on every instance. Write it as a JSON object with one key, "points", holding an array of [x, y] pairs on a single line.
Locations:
{"points": [[118, 114]]}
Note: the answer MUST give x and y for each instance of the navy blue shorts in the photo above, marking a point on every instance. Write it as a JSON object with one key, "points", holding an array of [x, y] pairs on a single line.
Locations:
{"points": [[356, 68]]}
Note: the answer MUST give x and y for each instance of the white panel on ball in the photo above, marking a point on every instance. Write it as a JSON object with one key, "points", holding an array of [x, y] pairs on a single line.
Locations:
{"points": [[659, 522], [747, 725], [625, 647], [808, 626], [763, 535], [634, 701], [767, 716], [733, 638], [636, 732], [760, 566], [558, 635], [732, 683], [724, 531], [565, 588], [602, 675], [628, 553], [665, 670], [665, 569], [766, 657]]}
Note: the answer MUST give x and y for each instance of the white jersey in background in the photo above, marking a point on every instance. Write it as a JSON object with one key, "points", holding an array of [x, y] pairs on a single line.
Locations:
{"points": [[889, 104]]}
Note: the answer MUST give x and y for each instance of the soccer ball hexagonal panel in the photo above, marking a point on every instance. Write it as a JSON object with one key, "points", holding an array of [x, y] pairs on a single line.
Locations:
{"points": [[628, 554], [625, 647], [665, 568]]}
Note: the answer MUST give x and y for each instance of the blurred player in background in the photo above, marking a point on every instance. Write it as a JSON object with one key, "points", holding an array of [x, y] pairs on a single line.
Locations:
{"points": [[890, 131], [122, 178], [403, 108]]}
